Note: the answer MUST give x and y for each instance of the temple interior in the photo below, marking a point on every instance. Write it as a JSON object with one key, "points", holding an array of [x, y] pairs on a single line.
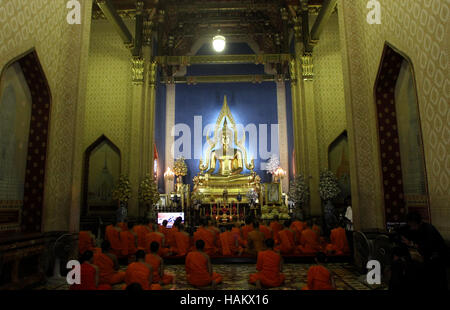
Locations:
{"points": [[231, 134]]}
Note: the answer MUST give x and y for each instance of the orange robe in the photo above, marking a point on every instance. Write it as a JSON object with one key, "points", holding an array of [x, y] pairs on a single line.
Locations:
{"points": [[197, 273], [339, 243], [155, 262], [316, 228], [237, 232], [138, 272], [123, 226], [141, 231], [113, 236], [170, 237], [297, 227], [208, 237], [276, 227], [228, 243], [255, 242], [85, 242], [246, 230], [87, 280], [106, 267], [319, 278], [155, 237], [268, 266], [266, 231], [309, 242], [128, 243], [183, 243], [287, 243]]}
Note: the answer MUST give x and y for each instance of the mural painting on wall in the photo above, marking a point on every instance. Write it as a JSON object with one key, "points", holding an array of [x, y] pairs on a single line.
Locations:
{"points": [[338, 159], [15, 116], [104, 171]]}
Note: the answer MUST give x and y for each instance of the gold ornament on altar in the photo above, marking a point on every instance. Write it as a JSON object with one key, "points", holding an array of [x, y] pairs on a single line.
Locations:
{"points": [[148, 191], [122, 192], [228, 155], [180, 168]]}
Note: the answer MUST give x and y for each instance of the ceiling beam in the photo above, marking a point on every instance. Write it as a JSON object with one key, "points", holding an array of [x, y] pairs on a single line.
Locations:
{"points": [[111, 15], [322, 19]]}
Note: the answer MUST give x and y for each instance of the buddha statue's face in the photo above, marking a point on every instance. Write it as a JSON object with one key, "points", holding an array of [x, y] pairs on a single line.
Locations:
{"points": [[226, 139]]}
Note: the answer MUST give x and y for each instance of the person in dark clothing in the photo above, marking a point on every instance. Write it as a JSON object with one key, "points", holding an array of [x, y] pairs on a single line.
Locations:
{"points": [[405, 273], [427, 240]]}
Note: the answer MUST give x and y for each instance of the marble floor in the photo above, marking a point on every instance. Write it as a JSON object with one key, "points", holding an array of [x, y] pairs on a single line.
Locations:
{"points": [[235, 277]]}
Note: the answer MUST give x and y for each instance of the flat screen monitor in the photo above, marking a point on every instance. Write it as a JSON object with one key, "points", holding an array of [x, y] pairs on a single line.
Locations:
{"points": [[170, 217]]}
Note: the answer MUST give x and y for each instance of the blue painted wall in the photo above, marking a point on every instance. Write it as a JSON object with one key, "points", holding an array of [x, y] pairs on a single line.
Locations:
{"points": [[249, 103]]}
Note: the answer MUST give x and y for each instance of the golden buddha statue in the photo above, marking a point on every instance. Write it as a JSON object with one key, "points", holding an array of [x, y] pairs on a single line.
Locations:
{"points": [[231, 156]]}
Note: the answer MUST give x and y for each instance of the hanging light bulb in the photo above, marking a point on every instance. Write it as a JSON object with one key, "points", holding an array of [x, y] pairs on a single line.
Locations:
{"points": [[219, 43]]}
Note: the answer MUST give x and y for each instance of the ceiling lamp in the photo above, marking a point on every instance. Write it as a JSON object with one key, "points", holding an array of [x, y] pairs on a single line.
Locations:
{"points": [[219, 43]]}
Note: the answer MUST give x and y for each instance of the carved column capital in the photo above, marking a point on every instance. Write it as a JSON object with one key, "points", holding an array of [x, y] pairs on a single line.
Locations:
{"points": [[147, 32], [137, 70], [307, 66]]}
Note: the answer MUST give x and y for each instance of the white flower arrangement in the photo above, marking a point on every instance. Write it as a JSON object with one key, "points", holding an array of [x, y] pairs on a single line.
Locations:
{"points": [[252, 195], [122, 192], [273, 164], [328, 185], [299, 191]]}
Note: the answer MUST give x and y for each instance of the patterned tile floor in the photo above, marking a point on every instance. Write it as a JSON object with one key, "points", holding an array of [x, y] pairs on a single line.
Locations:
{"points": [[235, 277]]}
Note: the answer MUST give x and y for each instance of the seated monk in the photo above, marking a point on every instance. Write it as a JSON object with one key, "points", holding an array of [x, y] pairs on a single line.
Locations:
{"points": [[229, 243], [255, 240], [212, 227], [141, 230], [123, 225], [297, 226], [89, 274], [157, 263], [208, 237], [199, 272], [156, 236], [129, 242], [309, 241], [267, 231], [319, 278], [276, 227], [108, 265], [112, 234], [163, 228], [246, 229], [141, 272], [287, 240], [269, 266], [86, 241], [236, 230], [339, 243], [182, 241], [170, 235]]}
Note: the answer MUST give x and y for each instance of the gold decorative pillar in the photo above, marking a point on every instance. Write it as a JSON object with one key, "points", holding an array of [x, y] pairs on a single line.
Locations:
{"points": [[135, 158], [312, 147]]}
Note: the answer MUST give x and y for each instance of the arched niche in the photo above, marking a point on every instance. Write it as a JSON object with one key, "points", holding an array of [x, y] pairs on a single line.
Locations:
{"points": [[25, 103], [102, 169], [338, 163], [400, 138]]}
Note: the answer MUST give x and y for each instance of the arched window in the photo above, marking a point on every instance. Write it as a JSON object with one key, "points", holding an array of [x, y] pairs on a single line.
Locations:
{"points": [[24, 119], [400, 139], [102, 171]]}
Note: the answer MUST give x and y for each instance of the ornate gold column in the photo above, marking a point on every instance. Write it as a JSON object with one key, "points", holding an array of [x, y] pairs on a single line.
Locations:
{"points": [[135, 155]]}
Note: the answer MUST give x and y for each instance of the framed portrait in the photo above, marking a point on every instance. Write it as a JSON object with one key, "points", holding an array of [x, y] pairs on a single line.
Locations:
{"points": [[273, 193]]}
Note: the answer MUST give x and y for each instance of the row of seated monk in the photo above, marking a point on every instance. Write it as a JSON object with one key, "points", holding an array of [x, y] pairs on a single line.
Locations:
{"points": [[148, 243], [291, 238], [100, 271]]}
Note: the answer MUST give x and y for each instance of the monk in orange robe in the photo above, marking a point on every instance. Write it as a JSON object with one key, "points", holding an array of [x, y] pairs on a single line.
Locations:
{"points": [[269, 266], [141, 230], [246, 229], [229, 243], [108, 265], [298, 226], [123, 225], [157, 263], [319, 277], [182, 241], [156, 236], [207, 236], [309, 241], [199, 272], [287, 239], [339, 243], [255, 240], [267, 231], [276, 227], [129, 242], [86, 242], [141, 272], [89, 275], [163, 228], [236, 230], [112, 234]]}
